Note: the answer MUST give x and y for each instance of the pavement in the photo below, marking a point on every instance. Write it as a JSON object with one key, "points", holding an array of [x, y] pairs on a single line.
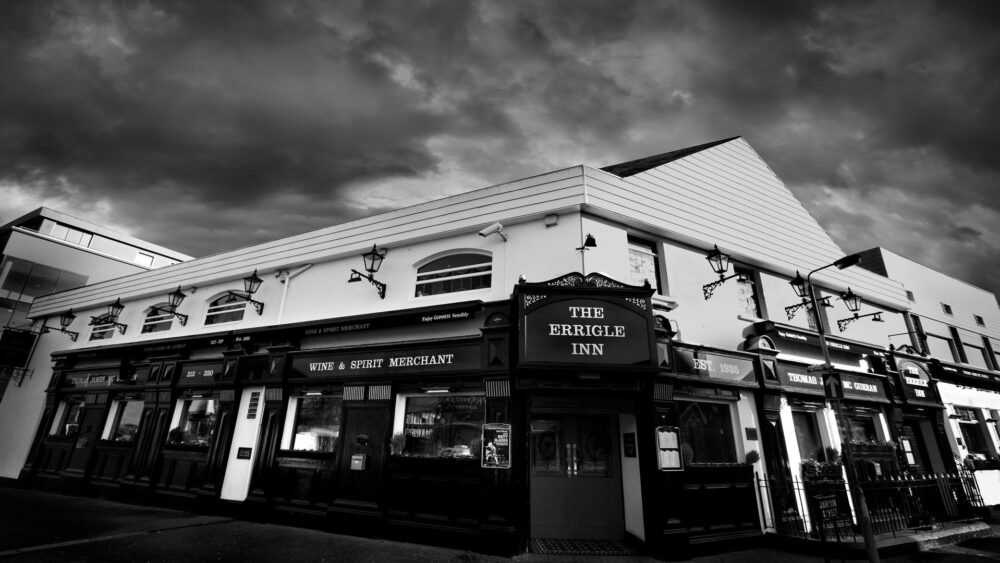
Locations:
{"points": [[40, 526]]}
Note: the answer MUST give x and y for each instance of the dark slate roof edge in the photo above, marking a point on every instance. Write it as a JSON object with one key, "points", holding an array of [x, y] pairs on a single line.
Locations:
{"points": [[632, 167]]}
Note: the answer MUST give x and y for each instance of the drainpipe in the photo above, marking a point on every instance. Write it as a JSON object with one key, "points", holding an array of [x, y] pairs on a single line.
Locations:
{"points": [[286, 278]]}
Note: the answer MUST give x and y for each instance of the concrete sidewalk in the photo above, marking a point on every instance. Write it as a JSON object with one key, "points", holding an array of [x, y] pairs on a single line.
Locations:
{"points": [[39, 526]]}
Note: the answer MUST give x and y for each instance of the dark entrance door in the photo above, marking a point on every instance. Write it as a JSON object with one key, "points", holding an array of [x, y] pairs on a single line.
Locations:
{"points": [[88, 433], [575, 476], [361, 475]]}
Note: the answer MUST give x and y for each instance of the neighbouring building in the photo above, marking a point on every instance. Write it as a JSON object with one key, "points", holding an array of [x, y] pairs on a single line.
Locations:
{"points": [[45, 252], [953, 332], [548, 358]]}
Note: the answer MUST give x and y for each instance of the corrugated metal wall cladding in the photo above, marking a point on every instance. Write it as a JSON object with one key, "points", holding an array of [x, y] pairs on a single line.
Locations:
{"points": [[521, 198], [688, 196], [932, 288]]}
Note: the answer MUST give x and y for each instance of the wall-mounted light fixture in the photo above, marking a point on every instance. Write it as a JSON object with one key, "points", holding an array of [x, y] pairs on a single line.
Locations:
{"points": [[173, 301], [373, 260], [853, 303], [799, 285], [720, 265], [65, 320], [588, 243], [111, 317], [251, 284]]}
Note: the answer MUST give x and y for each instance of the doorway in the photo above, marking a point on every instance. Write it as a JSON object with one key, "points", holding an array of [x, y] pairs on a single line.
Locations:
{"points": [[575, 476]]}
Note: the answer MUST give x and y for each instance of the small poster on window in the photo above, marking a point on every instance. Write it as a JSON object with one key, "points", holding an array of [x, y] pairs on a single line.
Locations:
{"points": [[496, 446]]}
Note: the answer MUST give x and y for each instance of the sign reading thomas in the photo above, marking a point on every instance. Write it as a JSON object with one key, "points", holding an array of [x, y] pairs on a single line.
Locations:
{"points": [[585, 320]]}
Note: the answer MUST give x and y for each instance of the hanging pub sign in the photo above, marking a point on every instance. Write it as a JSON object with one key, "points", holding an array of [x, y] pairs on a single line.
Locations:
{"points": [[15, 347], [496, 446], [713, 365], [454, 357], [915, 383], [591, 321]]}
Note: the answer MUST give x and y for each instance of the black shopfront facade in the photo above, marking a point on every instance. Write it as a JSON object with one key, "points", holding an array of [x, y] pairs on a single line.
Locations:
{"points": [[282, 423], [558, 415]]}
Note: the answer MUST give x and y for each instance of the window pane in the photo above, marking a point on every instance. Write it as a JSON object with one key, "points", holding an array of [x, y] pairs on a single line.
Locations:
{"points": [[317, 425], [71, 419], [227, 308], [862, 429], [706, 433], [157, 321], [808, 435], [642, 264], [195, 422], [129, 415], [973, 436], [748, 297], [444, 426], [102, 332], [458, 272]]}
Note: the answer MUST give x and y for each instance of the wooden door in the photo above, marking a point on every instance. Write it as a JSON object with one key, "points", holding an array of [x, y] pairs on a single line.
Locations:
{"points": [[364, 434], [575, 477]]}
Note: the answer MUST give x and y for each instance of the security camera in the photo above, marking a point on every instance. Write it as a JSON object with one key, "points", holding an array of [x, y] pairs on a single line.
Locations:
{"points": [[494, 229]]}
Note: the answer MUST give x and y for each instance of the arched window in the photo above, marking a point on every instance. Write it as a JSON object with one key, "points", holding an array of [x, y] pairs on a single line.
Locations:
{"points": [[225, 309], [455, 272], [157, 319]]}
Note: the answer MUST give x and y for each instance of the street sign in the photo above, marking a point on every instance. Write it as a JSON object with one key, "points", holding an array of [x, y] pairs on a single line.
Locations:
{"points": [[832, 385]]}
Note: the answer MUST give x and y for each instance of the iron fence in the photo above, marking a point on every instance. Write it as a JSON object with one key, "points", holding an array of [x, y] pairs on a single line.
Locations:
{"points": [[894, 504]]}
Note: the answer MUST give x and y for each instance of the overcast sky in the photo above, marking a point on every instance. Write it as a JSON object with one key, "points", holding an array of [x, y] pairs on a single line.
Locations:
{"points": [[207, 126]]}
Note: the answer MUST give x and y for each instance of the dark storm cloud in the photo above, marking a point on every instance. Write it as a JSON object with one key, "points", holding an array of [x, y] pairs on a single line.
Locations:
{"points": [[209, 125]]}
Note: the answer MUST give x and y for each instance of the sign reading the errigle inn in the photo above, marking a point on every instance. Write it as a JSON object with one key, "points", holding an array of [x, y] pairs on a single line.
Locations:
{"points": [[382, 362], [592, 320]]}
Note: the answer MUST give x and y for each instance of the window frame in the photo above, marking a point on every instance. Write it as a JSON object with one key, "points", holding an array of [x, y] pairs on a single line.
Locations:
{"points": [[157, 315], [398, 441], [180, 415], [233, 304], [946, 309], [115, 415], [980, 321], [62, 418], [431, 281], [292, 418], [733, 435], [102, 330], [645, 247]]}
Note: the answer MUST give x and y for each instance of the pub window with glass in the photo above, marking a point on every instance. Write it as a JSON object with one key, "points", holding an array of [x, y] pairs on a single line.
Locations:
{"points": [[312, 423], [453, 273], [158, 319], [194, 422], [123, 421], [973, 432], [439, 425], [67, 419], [706, 431], [643, 264]]}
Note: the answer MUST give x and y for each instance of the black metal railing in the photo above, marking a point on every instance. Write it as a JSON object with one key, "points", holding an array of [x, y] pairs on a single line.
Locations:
{"points": [[801, 508]]}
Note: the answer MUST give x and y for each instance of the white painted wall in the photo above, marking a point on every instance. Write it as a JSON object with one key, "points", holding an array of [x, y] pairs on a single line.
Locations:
{"points": [[239, 471], [631, 481]]}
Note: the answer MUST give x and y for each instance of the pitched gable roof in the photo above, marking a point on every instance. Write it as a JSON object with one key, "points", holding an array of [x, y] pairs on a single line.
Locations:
{"points": [[631, 167]]}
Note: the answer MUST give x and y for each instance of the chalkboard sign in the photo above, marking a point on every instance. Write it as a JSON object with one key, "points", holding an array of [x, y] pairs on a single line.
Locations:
{"points": [[496, 446], [826, 505]]}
